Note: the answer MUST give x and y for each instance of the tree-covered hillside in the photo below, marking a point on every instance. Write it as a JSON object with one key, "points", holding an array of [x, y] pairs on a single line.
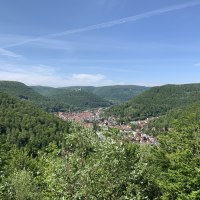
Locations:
{"points": [[26, 93], [77, 98], [19, 90], [24, 125], [53, 99], [42, 157], [114, 94], [161, 125], [119, 93], [44, 90], [157, 101]]}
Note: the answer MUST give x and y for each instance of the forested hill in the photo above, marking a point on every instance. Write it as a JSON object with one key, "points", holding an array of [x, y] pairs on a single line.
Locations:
{"points": [[119, 93], [24, 92], [20, 90], [157, 101], [44, 90], [53, 99], [75, 97], [24, 125], [115, 93], [180, 118], [42, 157]]}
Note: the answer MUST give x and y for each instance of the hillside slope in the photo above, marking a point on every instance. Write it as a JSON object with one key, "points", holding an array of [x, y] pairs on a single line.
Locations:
{"points": [[119, 93], [19, 90], [157, 101], [115, 93], [77, 98], [42, 157], [24, 92], [24, 125]]}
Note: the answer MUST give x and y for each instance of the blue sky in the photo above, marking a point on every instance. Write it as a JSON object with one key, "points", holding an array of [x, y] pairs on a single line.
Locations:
{"points": [[100, 42]]}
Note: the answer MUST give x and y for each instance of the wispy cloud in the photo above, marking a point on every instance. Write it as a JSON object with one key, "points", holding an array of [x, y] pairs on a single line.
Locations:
{"points": [[111, 23], [127, 19], [4, 52], [197, 64], [48, 76], [88, 79]]}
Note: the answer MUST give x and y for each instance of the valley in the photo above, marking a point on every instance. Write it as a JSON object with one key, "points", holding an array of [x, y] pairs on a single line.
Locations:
{"points": [[99, 100], [94, 120], [134, 147]]}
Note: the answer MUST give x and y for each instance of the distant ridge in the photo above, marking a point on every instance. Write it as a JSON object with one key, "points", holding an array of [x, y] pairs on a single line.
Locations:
{"points": [[157, 101], [71, 98], [76, 97], [24, 92], [115, 94], [119, 93], [53, 99]]}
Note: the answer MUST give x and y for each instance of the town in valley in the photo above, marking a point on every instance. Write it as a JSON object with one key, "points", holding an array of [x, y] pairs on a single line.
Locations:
{"points": [[93, 119]]}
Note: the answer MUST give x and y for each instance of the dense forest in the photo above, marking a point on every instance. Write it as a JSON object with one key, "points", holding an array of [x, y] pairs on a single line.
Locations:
{"points": [[26, 93], [114, 94], [42, 157], [23, 125], [160, 126], [157, 101], [119, 93], [52, 99], [77, 98]]}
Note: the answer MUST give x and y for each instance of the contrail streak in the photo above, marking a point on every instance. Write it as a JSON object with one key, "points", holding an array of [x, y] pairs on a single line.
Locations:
{"points": [[112, 23]]}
